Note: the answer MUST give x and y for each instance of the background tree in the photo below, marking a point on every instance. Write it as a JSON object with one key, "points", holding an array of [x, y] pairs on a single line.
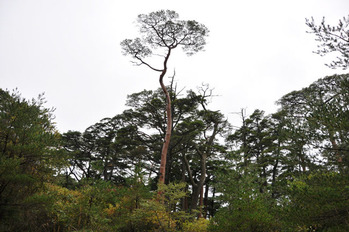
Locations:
{"points": [[332, 39], [290, 167], [163, 30], [320, 113], [108, 150], [318, 201], [29, 156]]}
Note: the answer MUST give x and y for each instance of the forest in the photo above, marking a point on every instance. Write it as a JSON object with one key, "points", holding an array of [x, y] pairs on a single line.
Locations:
{"points": [[170, 163]]}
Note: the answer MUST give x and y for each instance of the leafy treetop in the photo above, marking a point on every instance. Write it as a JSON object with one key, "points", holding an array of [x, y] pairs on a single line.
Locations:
{"points": [[163, 30]]}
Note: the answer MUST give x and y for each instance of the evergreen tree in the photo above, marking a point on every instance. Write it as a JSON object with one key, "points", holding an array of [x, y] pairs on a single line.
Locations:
{"points": [[29, 156]]}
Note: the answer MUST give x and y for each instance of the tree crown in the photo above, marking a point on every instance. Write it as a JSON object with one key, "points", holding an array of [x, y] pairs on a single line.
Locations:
{"points": [[163, 30]]}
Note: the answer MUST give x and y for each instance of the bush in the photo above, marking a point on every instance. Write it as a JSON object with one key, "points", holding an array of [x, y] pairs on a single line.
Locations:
{"points": [[199, 225]]}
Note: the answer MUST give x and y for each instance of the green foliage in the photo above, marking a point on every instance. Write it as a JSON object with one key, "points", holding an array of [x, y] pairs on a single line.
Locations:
{"points": [[29, 155], [161, 213], [246, 208], [279, 178], [318, 115], [284, 172], [98, 206], [199, 225], [319, 201]]}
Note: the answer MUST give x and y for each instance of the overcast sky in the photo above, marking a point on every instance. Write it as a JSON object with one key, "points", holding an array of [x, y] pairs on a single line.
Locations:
{"points": [[256, 52]]}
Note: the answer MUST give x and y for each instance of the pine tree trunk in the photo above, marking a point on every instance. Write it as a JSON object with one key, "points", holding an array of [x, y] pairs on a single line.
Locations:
{"points": [[206, 200], [169, 123]]}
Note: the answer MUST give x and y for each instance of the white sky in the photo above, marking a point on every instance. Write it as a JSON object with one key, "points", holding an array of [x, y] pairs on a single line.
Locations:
{"points": [[257, 51]]}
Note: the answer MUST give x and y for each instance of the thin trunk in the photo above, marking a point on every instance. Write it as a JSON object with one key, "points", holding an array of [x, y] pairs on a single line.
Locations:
{"points": [[274, 173], [169, 122], [212, 212], [197, 186], [202, 196], [195, 197], [201, 202], [169, 161], [184, 200], [206, 200], [275, 170]]}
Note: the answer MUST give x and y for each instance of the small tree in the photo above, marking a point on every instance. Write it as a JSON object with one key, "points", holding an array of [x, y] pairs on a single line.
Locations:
{"points": [[332, 39], [162, 30]]}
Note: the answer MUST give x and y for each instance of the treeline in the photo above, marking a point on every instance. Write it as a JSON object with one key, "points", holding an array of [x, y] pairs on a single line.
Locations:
{"points": [[287, 171]]}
